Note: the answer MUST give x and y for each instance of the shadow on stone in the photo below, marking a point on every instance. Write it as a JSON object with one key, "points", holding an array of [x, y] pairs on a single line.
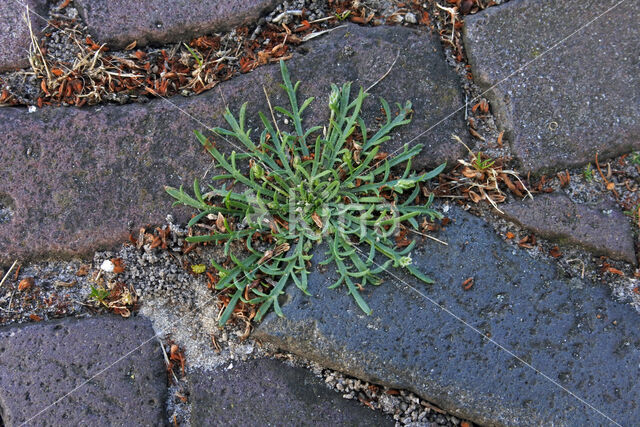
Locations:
{"points": [[268, 392]]}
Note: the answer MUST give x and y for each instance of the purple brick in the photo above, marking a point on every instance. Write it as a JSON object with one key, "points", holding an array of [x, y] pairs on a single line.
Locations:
{"points": [[79, 179], [119, 22]]}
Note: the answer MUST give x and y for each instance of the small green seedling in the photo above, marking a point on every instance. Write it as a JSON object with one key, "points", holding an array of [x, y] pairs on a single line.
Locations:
{"points": [[99, 295], [342, 16], [194, 54], [634, 212], [635, 158], [482, 164], [296, 188], [587, 173]]}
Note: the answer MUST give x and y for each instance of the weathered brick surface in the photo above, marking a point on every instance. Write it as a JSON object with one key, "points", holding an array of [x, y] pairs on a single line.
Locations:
{"points": [[560, 101], [570, 330], [45, 368], [119, 22], [269, 393], [14, 32], [603, 230]]}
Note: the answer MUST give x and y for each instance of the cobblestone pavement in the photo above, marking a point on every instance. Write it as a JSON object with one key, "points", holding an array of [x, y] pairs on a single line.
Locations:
{"points": [[532, 316]]}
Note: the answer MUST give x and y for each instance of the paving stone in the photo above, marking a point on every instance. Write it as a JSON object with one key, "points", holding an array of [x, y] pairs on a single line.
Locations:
{"points": [[568, 103], [40, 363], [571, 330], [602, 229], [119, 22], [14, 32], [75, 180], [269, 393]]}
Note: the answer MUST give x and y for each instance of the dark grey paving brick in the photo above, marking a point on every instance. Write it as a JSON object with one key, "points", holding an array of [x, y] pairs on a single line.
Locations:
{"points": [[76, 179], [571, 330], [269, 393], [602, 229], [40, 363], [119, 22], [568, 103]]}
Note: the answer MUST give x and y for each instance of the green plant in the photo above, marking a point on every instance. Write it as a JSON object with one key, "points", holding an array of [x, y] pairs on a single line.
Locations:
{"points": [[119, 298], [635, 158], [195, 55], [199, 268], [307, 186], [342, 16], [634, 212], [481, 164], [98, 294], [588, 173]]}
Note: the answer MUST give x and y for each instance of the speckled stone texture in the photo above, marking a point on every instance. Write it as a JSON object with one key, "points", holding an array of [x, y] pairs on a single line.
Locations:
{"points": [[601, 229], [77, 180], [119, 22], [573, 98], [267, 392], [14, 32], [571, 330], [40, 363]]}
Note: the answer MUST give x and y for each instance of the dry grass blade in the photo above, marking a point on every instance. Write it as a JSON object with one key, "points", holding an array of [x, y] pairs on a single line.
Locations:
{"points": [[453, 11], [8, 272], [442, 242], [319, 33], [88, 73], [37, 59]]}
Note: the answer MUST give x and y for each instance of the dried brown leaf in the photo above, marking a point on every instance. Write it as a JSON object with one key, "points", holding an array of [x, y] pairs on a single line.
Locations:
{"points": [[316, 218], [555, 252], [83, 270], [475, 198], [474, 133], [118, 265], [26, 283], [220, 223], [65, 284]]}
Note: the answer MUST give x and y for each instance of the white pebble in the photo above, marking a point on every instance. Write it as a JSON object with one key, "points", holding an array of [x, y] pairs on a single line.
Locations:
{"points": [[107, 266], [410, 18]]}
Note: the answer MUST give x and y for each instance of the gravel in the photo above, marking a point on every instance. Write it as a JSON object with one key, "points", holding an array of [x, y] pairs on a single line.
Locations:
{"points": [[406, 408], [57, 291], [23, 84]]}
